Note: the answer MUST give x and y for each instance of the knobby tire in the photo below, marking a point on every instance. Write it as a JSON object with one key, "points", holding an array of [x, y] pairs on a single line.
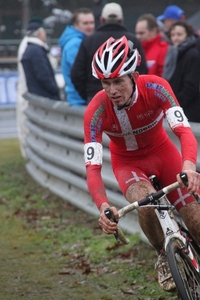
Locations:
{"points": [[185, 276]]}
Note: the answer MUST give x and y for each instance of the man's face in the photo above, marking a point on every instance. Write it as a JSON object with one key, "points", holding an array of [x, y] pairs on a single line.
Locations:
{"points": [[85, 23], [42, 35], [142, 32], [168, 23], [118, 89]]}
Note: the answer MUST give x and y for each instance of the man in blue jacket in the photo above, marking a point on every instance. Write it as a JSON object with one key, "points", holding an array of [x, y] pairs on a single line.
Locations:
{"points": [[70, 40], [38, 70]]}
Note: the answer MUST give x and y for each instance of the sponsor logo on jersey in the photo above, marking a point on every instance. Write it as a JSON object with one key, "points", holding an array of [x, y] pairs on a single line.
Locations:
{"points": [[160, 96], [95, 121], [163, 91], [145, 115], [138, 130]]}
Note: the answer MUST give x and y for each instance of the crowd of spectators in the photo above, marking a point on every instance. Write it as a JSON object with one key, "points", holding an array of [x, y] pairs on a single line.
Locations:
{"points": [[154, 46], [154, 37], [112, 25], [182, 68]]}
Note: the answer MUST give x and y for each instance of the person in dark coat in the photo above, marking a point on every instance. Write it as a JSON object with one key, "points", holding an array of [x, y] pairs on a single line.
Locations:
{"points": [[97, 8], [112, 26], [182, 68], [38, 70]]}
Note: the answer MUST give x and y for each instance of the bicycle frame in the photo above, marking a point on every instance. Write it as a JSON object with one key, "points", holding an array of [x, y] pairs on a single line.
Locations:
{"points": [[169, 225], [163, 210], [165, 215]]}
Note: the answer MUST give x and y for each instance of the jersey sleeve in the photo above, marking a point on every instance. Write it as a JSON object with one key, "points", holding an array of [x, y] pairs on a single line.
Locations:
{"points": [[93, 153], [95, 185], [175, 116], [181, 128], [161, 93]]}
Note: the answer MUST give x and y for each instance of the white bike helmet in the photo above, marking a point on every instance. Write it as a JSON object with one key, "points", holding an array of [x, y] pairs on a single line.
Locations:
{"points": [[115, 58]]}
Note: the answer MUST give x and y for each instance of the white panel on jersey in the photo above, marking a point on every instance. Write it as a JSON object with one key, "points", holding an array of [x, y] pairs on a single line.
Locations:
{"points": [[130, 140], [93, 153], [176, 117]]}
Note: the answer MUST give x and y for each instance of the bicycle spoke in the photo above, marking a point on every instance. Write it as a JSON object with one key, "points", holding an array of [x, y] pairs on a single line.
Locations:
{"points": [[183, 270]]}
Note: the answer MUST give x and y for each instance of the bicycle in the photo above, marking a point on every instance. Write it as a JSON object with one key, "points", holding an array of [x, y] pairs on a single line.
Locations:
{"points": [[182, 252]]}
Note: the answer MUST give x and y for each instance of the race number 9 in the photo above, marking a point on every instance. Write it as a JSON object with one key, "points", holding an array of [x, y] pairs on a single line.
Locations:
{"points": [[90, 153], [178, 115], [93, 153], [175, 116]]}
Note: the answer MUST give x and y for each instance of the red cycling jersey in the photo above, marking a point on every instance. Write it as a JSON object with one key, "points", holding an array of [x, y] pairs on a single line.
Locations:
{"points": [[137, 138]]}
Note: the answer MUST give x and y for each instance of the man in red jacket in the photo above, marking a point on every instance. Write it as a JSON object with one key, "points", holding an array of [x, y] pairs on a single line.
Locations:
{"points": [[154, 46]]}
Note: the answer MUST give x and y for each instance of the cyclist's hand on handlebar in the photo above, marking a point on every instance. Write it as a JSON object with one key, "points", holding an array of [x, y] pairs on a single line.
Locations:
{"points": [[106, 225], [193, 178]]}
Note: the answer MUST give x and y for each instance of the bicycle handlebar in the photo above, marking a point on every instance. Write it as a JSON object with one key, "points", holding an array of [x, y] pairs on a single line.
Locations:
{"points": [[119, 235], [150, 198]]}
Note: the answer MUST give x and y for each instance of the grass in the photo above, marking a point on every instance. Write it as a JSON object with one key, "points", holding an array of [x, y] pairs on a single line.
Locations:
{"points": [[52, 250]]}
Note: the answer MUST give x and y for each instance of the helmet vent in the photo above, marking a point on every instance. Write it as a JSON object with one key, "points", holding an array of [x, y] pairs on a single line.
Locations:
{"points": [[116, 65], [106, 59]]}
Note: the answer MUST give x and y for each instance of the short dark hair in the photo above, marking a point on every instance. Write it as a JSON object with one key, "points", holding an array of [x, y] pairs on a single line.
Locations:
{"points": [[188, 28], [79, 11], [151, 21]]}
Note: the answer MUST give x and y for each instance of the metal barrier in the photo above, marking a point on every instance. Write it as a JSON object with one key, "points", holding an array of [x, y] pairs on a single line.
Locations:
{"points": [[8, 126], [54, 154]]}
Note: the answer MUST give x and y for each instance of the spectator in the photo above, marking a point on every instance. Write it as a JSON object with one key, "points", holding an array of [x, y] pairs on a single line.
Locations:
{"points": [[162, 31], [70, 40], [182, 68], [171, 14], [22, 103], [154, 46], [111, 25], [37, 67]]}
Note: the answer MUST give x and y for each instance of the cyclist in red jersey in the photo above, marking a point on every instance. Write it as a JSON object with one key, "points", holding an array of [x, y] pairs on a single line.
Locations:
{"points": [[130, 110]]}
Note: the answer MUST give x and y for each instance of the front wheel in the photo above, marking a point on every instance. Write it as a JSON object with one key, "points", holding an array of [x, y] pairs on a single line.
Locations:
{"points": [[184, 271]]}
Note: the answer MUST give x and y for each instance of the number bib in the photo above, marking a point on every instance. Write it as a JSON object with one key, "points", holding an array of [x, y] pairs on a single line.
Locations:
{"points": [[176, 117], [93, 153]]}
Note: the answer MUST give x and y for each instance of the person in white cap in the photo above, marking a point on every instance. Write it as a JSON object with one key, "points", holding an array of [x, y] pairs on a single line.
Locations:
{"points": [[171, 14], [112, 21], [112, 11]]}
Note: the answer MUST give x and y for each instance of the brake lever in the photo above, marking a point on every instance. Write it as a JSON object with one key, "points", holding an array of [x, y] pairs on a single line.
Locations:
{"points": [[184, 179], [109, 214]]}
